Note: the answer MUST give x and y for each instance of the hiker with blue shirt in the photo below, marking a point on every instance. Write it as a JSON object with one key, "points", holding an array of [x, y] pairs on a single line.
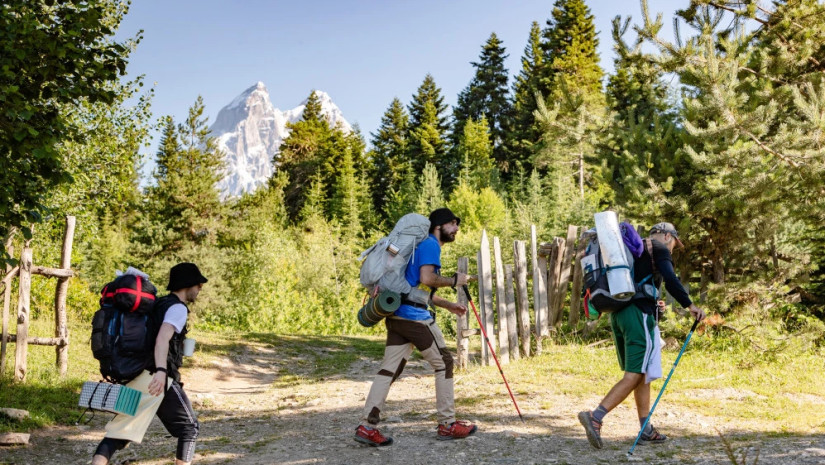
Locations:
{"points": [[413, 326], [635, 334]]}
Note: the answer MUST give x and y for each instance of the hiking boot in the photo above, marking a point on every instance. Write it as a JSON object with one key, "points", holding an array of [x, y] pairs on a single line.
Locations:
{"points": [[592, 427], [456, 430], [371, 437], [653, 437]]}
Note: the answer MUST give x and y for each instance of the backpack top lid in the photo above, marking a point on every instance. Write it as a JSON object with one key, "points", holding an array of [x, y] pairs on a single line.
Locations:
{"points": [[131, 293]]}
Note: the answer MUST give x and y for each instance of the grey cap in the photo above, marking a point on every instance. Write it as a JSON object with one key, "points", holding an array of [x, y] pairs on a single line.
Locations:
{"points": [[665, 227]]}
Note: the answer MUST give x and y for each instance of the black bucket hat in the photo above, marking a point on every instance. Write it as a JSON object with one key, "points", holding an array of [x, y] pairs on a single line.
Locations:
{"points": [[442, 216], [184, 275]]}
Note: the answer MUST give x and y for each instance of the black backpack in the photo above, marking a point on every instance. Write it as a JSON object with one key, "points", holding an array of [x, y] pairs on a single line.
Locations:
{"points": [[596, 292], [124, 329]]}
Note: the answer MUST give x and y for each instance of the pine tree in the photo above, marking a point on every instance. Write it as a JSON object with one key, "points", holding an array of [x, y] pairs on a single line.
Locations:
{"points": [[487, 96], [428, 130], [404, 199], [569, 47], [312, 109], [751, 164], [476, 151], [430, 196], [526, 85], [643, 135], [389, 154]]}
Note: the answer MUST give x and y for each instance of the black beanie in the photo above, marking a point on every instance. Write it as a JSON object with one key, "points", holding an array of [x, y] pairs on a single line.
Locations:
{"points": [[442, 216], [184, 275]]}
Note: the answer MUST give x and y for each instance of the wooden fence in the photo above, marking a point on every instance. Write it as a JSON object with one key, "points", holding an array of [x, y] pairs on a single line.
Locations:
{"points": [[503, 303], [24, 272]]}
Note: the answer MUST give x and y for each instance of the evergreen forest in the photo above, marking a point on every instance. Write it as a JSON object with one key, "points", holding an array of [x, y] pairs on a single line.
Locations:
{"points": [[719, 130]]}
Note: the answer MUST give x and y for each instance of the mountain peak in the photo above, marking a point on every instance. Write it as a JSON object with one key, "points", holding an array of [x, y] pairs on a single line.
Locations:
{"points": [[249, 130]]}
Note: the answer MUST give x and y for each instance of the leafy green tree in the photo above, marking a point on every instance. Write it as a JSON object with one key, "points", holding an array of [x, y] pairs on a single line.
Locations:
{"points": [[428, 130], [54, 55], [526, 86], [487, 96], [389, 154]]}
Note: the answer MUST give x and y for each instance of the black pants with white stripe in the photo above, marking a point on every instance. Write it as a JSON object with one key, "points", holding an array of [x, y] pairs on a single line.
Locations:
{"points": [[176, 414], [180, 420]]}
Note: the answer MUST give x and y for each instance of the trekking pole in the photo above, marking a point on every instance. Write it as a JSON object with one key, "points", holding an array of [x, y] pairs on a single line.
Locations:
{"points": [[490, 346], [676, 362]]}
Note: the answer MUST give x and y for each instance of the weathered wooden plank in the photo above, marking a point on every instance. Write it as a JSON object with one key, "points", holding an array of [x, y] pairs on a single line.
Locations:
{"points": [[543, 294], [553, 277], [41, 341], [501, 306], [6, 305], [52, 272], [539, 290], [566, 273], [522, 304], [575, 296], [510, 310], [462, 343], [486, 275], [61, 330], [23, 305]]}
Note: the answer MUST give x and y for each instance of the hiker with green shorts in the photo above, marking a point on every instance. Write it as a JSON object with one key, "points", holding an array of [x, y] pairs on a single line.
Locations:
{"points": [[636, 335]]}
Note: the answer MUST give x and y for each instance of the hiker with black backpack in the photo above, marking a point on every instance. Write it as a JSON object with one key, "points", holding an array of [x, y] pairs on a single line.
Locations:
{"points": [[635, 332], [411, 326], [174, 410]]}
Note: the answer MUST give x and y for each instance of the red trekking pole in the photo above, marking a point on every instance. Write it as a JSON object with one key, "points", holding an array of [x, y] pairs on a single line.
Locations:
{"points": [[490, 346]]}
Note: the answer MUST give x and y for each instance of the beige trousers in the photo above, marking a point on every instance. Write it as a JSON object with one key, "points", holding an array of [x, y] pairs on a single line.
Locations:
{"points": [[402, 336]]}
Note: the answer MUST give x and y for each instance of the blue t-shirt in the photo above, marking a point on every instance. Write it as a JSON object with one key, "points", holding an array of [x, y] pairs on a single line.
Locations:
{"points": [[428, 252]]}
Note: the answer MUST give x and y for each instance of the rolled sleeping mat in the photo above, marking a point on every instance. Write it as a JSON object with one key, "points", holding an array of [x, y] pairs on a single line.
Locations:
{"points": [[378, 308], [614, 255]]}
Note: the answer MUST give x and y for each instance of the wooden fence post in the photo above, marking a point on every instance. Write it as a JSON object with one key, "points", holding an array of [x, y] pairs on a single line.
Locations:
{"points": [[9, 277], [522, 305], [553, 272], [23, 304], [575, 296], [462, 343], [61, 330], [539, 290], [564, 277], [485, 290], [501, 305], [512, 324]]}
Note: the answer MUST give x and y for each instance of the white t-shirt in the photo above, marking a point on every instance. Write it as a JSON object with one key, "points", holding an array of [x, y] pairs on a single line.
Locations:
{"points": [[176, 316]]}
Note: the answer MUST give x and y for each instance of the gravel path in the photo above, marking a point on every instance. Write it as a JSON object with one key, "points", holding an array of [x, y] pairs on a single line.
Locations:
{"points": [[250, 415]]}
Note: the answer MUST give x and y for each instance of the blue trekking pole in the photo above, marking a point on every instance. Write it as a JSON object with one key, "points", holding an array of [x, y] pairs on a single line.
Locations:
{"points": [[676, 362]]}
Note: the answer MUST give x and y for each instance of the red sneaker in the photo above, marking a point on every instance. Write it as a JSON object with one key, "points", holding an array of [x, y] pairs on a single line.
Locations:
{"points": [[456, 430], [371, 436]]}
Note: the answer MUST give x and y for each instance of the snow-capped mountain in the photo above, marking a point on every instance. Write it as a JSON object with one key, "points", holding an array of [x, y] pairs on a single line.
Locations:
{"points": [[250, 130]]}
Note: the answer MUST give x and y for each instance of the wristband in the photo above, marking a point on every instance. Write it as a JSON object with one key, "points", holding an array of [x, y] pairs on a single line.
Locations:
{"points": [[455, 280], [160, 369]]}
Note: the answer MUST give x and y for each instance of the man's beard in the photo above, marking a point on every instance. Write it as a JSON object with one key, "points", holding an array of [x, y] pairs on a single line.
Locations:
{"points": [[444, 237]]}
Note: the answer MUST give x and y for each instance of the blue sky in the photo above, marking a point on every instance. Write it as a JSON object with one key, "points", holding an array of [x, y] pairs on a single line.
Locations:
{"points": [[362, 53]]}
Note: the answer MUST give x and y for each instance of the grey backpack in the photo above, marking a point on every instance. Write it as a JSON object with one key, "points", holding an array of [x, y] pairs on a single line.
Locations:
{"points": [[385, 263]]}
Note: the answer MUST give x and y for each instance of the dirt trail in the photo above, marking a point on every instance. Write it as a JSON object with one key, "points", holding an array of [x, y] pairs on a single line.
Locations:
{"points": [[250, 414]]}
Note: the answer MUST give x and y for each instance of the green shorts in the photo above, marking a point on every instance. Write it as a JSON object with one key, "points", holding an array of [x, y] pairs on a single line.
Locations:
{"points": [[633, 335]]}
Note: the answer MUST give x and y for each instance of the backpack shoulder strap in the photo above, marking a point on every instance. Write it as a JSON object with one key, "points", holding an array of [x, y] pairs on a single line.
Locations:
{"points": [[649, 247]]}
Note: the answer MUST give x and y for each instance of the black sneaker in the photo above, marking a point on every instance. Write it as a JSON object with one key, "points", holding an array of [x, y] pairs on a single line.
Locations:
{"points": [[592, 427], [653, 437]]}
